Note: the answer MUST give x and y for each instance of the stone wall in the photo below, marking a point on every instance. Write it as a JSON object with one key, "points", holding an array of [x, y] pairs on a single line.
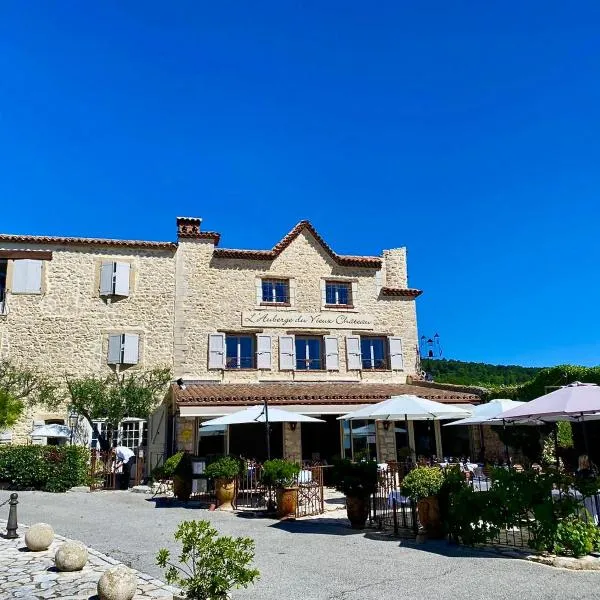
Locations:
{"points": [[292, 442], [64, 330], [386, 442]]}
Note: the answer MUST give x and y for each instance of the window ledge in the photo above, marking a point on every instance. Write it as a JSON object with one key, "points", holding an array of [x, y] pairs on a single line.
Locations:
{"points": [[274, 306], [341, 307]]}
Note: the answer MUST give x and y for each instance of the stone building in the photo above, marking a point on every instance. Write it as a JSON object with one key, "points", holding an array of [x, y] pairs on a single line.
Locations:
{"points": [[298, 325]]}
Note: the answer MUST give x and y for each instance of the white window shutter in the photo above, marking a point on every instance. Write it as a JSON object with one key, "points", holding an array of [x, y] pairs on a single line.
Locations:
{"points": [[378, 282], [106, 278], [34, 276], [263, 351], [396, 355], [354, 292], [131, 349], [259, 297], [27, 276], [122, 279], [216, 351], [353, 355], [287, 352], [19, 276], [115, 345], [332, 353], [323, 292]]}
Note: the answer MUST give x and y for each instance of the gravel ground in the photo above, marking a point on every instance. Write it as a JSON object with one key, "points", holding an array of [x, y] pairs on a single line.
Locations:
{"points": [[311, 559]]}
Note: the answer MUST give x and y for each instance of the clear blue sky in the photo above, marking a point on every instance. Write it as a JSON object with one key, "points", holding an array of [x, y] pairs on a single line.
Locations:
{"points": [[466, 132]]}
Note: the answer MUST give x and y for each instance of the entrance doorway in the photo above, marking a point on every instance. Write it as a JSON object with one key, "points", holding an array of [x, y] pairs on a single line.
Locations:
{"points": [[321, 441], [360, 440], [249, 440]]}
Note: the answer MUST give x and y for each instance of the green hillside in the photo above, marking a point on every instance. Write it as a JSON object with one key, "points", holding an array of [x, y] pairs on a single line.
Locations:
{"points": [[473, 373]]}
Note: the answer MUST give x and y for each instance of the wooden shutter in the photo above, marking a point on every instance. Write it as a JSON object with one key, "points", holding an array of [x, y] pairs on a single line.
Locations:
{"points": [[259, 297], [323, 292], [27, 276], [396, 355], [287, 352], [216, 351], [353, 355], [332, 353], [122, 279], [131, 348], [353, 300], [34, 276], [19, 276], [115, 345], [107, 278], [263, 351]]}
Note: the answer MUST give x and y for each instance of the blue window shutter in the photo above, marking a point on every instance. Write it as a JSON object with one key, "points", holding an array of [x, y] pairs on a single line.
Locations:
{"points": [[115, 345]]}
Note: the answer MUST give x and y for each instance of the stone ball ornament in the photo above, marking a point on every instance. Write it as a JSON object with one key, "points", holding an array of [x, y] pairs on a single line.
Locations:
{"points": [[39, 537], [117, 583], [71, 556]]}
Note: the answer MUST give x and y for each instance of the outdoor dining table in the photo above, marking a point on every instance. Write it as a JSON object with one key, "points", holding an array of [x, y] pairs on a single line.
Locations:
{"points": [[399, 498]]}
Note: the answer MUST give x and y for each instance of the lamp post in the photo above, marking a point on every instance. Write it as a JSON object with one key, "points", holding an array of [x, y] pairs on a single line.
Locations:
{"points": [[73, 418]]}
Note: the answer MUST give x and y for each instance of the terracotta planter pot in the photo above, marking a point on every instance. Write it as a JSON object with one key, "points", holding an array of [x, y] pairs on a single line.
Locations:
{"points": [[429, 517], [357, 508], [182, 488], [225, 492], [287, 499]]}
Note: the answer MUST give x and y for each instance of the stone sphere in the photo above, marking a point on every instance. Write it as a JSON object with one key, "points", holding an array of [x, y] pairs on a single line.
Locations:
{"points": [[117, 583], [71, 556], [39, 537]]}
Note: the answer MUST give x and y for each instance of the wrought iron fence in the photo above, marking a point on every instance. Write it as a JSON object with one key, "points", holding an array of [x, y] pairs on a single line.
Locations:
{"points": [[102, 475]]}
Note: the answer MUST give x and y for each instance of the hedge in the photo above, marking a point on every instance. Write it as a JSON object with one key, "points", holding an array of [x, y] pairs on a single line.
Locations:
{"points": [[48, 468]]}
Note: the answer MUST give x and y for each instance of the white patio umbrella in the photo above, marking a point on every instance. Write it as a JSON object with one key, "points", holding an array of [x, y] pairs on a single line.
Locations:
{"points": [[257, 414], [407, 407], [370, 430], [488, 412], [52, 430]]}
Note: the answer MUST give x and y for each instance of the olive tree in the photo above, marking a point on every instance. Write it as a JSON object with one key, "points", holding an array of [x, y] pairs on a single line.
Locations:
{"points": [[116, 397]]}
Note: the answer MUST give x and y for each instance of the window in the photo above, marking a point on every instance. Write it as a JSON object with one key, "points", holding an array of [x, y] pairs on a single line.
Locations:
{"points": [[114, 279], [123, 349], [27, 276], [239, 352], [3, 269], [275, 291], [338, 293], [373, 352], [309, 353], [134, 434]]}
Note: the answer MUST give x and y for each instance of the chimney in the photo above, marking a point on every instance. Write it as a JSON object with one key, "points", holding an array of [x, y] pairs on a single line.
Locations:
{"points": [[188, 227]]}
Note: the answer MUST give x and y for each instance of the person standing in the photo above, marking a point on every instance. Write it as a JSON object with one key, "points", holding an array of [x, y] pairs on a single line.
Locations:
{"points": [[125, 458]]}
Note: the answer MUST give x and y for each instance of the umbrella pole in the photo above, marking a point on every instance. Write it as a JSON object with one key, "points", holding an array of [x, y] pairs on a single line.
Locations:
{"points": [[481, 444], [586, 444], [267, 429], [556, 445], [505, 444]]}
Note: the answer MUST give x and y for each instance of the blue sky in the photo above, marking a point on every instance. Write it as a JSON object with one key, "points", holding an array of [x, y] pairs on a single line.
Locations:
{"points": [[469, 133]]}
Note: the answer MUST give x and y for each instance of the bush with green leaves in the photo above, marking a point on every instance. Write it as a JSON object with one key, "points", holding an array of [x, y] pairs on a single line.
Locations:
{"points": [[226, 467], [48, 468], [208, 566], [576, 537], [280, 473], [422, 482], [355, 479], [167, 469]]}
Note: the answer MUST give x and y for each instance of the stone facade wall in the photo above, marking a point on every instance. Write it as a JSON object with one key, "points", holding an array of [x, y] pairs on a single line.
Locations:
{"points": [[292, 442], [386, 442], [212, 292], [64, 330]]}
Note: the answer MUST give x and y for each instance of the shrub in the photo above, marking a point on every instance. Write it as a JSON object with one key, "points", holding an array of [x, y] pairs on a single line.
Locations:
{"points": [[355, 479], [422, 482], [48, 468], [227, 467], [167, 469], [575, 537], [279, 472], [210, 565], [183, 467]]}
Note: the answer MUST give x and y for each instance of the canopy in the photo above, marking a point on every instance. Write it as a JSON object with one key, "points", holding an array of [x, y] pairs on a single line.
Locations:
{"points": [[370, 430], [486, 412], [256, 414], [409, 408], [574, 402], [53, 430]]}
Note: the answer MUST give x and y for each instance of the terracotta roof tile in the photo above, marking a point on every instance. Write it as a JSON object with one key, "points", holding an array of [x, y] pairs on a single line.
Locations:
{"points": [[392, 291], [77, 241], [216, 394], [354, 261]]}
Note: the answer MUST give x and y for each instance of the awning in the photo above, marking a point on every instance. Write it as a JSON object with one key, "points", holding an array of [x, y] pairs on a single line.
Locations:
{"points": [[313, 410]]}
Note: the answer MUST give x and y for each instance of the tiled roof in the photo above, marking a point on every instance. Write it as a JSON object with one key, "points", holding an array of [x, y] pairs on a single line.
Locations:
{"points": [[217, 394], [76, 241], [354, 261], [392, 291]]}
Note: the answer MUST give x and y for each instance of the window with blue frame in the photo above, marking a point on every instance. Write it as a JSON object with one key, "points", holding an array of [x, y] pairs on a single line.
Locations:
{"points": [[374, 352], [309, 353], [276, 291], [338, 293], [240, 352]]}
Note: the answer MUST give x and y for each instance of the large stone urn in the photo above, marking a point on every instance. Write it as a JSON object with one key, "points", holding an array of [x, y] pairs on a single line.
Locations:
{"points": [[225, 492], [429, 517], [357, 508], [287, 500]]}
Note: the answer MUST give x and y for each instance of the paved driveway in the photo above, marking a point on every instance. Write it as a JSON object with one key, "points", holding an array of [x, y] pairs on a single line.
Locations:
{"points": [[314, 559]]}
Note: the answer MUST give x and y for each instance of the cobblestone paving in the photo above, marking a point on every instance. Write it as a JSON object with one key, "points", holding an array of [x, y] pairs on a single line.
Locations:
{"points": [[32, 575]]}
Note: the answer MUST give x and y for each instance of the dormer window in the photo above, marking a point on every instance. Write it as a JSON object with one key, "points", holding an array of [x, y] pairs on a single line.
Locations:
{"points": [[275, 291], [338, 293]]}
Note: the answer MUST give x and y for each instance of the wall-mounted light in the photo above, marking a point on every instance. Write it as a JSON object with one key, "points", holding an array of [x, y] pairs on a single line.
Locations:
{"points": [[386, 425], [293, 426], [180, 383]]}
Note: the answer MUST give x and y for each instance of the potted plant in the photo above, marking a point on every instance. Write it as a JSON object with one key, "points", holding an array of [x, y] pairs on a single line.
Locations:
{"points": [[209, 565], [422, 485], [224, 471], [357, 481], [182, 477], [282, 474]]}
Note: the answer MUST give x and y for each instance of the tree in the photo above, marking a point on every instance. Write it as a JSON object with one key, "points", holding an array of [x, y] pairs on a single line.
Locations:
{"points": [[20, 385], [116, 397]]}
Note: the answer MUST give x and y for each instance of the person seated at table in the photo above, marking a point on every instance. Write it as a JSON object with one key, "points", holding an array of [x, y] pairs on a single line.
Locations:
{"points": [[585, 468]]}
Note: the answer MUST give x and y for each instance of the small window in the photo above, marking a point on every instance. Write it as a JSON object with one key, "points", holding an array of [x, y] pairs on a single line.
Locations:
{"points": [[123, 349], [338, 293], [114, 279], [275, 291], [374, 353], [309, 353], [239, 352], [134, 434], [27, 276]]}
